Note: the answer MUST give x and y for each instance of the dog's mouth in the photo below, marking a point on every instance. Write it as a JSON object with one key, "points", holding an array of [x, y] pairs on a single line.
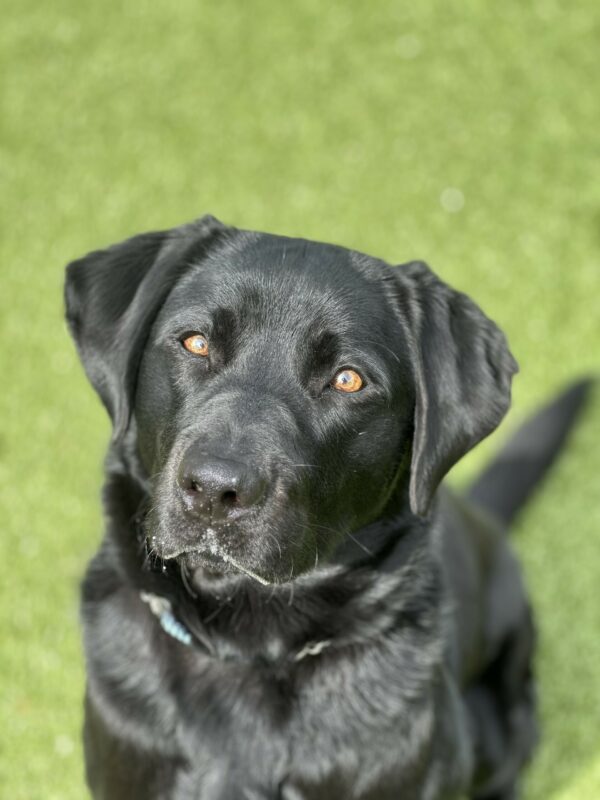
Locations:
{"points": [[269, 550], [214, 565]]}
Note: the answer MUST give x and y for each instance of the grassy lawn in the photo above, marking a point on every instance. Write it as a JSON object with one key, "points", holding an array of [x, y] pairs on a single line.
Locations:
{"points": [[464, 134]]}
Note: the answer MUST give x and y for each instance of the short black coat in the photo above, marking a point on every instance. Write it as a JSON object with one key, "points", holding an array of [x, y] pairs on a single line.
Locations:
{"points": [[389, 654]]}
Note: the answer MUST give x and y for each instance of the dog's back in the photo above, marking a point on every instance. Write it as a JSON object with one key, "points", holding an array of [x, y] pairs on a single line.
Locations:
{"points": [[495, 659]]}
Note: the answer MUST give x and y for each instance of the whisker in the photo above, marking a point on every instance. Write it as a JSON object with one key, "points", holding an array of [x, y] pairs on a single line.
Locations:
{"points": [[381, 344], [346, 533], [186, 583], [274, 538], [291, 583], [360, 544]]}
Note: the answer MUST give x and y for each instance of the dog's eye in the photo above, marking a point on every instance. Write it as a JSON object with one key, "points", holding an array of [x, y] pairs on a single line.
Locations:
{"points": [[347, 380], [196, 344]]}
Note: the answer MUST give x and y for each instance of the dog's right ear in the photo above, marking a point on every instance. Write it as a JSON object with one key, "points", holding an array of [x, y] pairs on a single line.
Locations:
{"points": [[112, 297], [462, 370]]}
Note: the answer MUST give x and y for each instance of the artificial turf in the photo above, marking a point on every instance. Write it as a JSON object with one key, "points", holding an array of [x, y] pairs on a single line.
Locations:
{"points": [[463, 134]]}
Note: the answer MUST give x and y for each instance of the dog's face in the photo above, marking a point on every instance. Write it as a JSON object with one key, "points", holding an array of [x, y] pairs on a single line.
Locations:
{"points": [[283, 392], [270, 407]]}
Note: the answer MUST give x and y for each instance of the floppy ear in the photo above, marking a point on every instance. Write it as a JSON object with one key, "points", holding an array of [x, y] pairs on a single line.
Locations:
{"points": [[112, 297], [463, 371]]}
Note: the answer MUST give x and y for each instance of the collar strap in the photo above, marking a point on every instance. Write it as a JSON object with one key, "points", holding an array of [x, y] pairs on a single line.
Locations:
{"points": [[163, 611]]}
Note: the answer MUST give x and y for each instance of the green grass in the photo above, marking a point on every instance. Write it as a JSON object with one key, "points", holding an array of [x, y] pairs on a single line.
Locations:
{"points": [[341, 121]]}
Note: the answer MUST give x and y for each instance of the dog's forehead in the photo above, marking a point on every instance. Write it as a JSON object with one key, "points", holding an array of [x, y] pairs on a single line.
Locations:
{"points": [[274, 278]]}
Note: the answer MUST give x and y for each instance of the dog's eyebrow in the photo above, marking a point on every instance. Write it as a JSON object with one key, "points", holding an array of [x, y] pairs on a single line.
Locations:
{"points": [[324, 348], [225, 323]]}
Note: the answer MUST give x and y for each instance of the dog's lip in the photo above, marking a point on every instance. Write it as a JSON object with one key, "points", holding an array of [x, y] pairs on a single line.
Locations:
{"points": [[203, 553], [205, 556]]}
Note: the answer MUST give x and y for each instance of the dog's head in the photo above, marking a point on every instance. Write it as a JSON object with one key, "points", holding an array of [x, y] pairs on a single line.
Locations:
{"points": [[281, 392]]}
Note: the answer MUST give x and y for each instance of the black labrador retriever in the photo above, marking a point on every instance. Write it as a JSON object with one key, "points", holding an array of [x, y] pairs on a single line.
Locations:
{"points": [[285, 605]]}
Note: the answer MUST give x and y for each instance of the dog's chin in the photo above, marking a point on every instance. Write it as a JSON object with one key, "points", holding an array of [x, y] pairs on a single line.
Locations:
{"points": [[201, 559], [206, 567]]}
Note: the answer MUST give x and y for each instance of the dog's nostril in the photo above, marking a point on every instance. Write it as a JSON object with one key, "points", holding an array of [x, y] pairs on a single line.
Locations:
{"points": [[229, 498]]}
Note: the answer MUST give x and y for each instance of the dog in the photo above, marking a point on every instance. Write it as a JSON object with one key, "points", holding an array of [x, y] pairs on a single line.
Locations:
{"points": [[287, 603]]}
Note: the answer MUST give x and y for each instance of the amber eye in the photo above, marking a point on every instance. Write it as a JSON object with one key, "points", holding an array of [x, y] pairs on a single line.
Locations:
{"points": [[196, 344], [347, 380]]}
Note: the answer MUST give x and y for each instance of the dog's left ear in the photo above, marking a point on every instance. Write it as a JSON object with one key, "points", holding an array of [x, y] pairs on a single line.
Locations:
{"points": [[463, 371], [112, 297]]}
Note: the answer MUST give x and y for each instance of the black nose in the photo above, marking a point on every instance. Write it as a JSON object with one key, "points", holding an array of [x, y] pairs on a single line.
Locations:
{"points": [[217, 489]]}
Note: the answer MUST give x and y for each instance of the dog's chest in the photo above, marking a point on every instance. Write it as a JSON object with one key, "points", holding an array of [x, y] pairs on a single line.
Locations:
{"points": [[324, 721]]}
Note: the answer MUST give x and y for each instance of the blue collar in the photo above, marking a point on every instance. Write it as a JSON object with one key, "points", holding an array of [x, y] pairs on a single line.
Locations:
{"points": [[162, 610]]}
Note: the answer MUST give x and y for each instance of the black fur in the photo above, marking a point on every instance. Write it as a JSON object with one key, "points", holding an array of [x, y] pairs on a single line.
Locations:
{"points": [[383, 647]]}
